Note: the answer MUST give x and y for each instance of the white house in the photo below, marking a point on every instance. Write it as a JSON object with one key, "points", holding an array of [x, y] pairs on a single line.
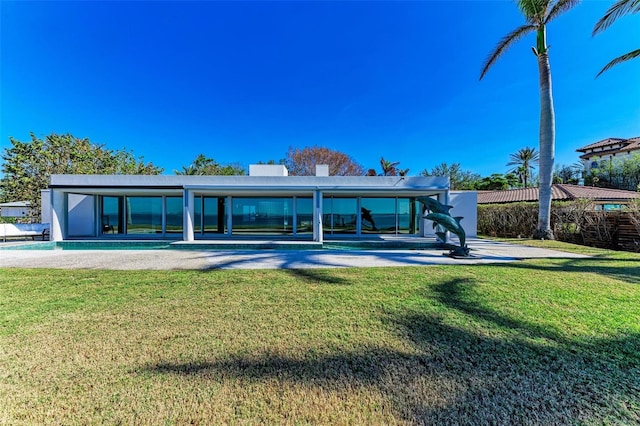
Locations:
{"points": [[15, 209], [265, 203], [608, 149]]}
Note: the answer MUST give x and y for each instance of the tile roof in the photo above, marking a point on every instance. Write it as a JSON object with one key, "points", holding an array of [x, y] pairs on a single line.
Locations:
{"points": [[559, 192], [631, 144], [600, 144]]}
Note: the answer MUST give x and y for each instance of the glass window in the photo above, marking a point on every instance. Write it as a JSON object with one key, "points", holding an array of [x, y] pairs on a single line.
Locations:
{"points": [[408, 216], [304, 212], [110, 217], [197, 215], [215, 217], [378, 215], [144, 215], [339, 215], [174, 215], [262, 215]]}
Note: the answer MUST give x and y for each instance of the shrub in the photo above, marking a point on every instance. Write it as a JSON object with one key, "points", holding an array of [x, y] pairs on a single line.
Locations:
{"points": [[572, 221]]}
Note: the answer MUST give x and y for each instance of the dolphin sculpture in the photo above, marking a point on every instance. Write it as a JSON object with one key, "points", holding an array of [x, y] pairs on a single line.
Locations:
{"points": [[451, 224], [433, 205]]}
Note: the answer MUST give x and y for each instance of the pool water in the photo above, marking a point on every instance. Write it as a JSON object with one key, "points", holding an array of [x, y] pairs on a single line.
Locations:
{"points": [[227, 245]]}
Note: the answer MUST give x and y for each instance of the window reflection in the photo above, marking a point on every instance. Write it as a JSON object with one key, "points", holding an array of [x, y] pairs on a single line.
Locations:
{"points": [[144, 215], [378, 215], [111, 213], [174, 213], [339, 215], [197, 215], [304, 212], [215, 218], [262, 215], [408, 215]]}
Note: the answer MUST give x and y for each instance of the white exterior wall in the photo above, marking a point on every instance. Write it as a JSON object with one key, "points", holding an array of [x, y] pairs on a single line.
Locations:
{"points": [[465, 205], [81, 215], [45, 206], [599, 157], [58, 216]]}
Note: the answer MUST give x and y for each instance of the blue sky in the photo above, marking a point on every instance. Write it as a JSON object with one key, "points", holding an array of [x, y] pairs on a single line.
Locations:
{"points": [[244, 81]]}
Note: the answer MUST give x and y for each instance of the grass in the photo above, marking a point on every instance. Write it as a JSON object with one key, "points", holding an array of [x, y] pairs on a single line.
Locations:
{"points": [[536, 342]]}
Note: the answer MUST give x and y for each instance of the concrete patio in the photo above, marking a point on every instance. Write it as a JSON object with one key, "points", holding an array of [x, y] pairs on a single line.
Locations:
{"points": [[482, 252]]}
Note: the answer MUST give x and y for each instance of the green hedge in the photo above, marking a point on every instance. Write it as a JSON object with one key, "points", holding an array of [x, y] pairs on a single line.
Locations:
{"points": [[573, 221], [519, 220]]}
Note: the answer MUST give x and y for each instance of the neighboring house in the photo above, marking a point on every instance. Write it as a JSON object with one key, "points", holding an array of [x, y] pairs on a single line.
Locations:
{"points": [[605, 150], [15, 209], [602, 198], [267, 203]]}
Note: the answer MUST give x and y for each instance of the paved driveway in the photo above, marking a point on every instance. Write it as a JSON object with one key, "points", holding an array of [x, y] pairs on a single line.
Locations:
{"points": [[482, 251]]}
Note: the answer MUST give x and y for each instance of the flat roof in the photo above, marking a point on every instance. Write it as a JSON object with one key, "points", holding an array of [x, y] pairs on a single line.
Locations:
{"points": [[240, 184]]}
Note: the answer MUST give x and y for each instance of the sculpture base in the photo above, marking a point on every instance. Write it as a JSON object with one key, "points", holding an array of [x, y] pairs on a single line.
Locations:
{"points": [[455, 256], [459, 252]]}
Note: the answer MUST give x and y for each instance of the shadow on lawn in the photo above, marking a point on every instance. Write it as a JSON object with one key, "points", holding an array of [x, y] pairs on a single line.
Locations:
{"points": [[622, 269], [507, 372], [325, 276]]}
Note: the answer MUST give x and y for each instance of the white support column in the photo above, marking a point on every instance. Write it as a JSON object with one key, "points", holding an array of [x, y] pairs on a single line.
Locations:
{"points": [[58, 215], [188, 215], [317, 217]]}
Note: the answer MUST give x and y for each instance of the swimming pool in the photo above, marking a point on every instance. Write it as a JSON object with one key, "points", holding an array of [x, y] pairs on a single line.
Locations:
{"points": [[225, 245], [163, 245]]}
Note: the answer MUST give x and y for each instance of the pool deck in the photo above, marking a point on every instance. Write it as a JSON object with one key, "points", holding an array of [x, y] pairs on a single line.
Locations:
{"points": [[482, 252]]}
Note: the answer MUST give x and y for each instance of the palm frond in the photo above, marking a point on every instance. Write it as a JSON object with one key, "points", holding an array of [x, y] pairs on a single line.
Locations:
{"points": [[533, 10], [619, 59], [559, 8], [504, 44], [620, 8]]}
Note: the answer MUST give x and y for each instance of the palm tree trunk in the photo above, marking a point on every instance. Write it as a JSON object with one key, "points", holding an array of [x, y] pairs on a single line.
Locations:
{"points": [[547, 148]]}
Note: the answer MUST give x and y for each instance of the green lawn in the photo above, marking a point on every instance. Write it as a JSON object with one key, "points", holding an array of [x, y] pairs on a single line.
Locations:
{"points": [[536, 342]]}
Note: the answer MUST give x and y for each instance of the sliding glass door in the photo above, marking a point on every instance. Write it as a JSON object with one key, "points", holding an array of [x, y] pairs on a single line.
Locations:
{"points": [[141, 215]]}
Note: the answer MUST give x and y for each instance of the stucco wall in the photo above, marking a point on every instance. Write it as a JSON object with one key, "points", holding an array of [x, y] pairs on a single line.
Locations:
{"points": [[465, 205]]}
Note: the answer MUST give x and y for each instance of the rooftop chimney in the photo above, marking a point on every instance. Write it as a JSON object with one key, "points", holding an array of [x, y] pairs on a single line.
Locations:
{"points": [[322, 170], [268, 170]]}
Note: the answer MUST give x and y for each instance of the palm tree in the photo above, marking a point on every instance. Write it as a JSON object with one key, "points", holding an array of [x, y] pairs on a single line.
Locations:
{"points": [[388, 167], [524, 161], [202, 165], [537, 14], [619, 8]]}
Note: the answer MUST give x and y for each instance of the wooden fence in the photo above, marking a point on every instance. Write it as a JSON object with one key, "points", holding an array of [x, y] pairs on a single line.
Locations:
{"points": [[613, 230]]}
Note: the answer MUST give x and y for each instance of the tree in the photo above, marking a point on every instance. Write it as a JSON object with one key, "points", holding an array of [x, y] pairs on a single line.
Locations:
{"points": [[617, 173], [302, 162], [497, 182], [388, 167], [28, 166], [619, 8], [203, 165], [282, 161], [458, 179], [524, 161], [537, 14], [567, 174]]}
